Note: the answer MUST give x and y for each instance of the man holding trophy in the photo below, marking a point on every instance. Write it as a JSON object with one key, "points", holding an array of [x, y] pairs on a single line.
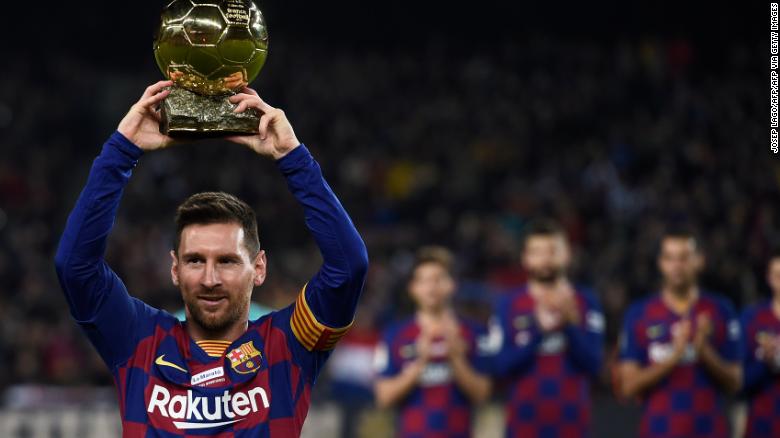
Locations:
{"points": [[217, 373]]}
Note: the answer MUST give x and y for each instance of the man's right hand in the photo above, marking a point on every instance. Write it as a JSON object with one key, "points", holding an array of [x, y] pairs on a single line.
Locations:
{"points": [[681, 337], [141, 125]]}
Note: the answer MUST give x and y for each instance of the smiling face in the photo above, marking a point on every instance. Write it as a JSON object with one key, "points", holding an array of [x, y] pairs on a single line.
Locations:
{"points": [[216, 274]]}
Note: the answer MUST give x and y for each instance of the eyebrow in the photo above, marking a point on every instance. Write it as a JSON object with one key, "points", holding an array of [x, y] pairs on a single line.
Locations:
{"points": [[197, 254]]}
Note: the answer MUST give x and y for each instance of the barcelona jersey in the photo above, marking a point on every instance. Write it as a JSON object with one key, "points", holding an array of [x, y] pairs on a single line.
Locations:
{"points": [[436, 406], [687, 402], [168, 385], [762, 377], [550, 373]]}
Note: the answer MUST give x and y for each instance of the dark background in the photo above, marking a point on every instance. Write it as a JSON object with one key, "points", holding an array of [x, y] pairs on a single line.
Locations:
{"points": [[447, 123]]}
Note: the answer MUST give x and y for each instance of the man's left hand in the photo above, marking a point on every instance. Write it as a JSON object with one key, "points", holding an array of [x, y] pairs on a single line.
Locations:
{"points": [[276, 137]]}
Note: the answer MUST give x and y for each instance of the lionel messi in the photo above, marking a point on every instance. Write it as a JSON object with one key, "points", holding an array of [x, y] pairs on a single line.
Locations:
{"points": [[217, 373]]}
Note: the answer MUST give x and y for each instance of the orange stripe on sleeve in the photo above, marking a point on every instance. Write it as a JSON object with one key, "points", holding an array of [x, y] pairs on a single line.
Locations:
{"points": [[312, 334]]}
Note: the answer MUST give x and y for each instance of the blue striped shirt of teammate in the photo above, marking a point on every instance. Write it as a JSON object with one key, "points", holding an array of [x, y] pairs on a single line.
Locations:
{"points": [[167, 384]]}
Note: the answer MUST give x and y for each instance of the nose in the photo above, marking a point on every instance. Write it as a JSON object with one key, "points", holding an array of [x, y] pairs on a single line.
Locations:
{"points": [[210, 277]]}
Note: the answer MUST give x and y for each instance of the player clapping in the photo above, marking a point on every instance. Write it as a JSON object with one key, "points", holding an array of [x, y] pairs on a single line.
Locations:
{"points": [[551, 335], [429, 365], [761, 325], [680, 349]]}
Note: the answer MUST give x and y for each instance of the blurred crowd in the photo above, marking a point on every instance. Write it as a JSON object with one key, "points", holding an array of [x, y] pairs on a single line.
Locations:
{"points": [[455, 145]]}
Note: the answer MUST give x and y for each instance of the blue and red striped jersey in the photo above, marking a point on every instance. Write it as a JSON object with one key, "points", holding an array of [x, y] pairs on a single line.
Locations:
{"points": [[762, 376], [687, 402], [550, 373], [168, 386], [436, 406]]}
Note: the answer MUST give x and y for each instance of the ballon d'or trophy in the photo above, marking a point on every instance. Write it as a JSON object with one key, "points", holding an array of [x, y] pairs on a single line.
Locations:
{"points": [[210, 49]]}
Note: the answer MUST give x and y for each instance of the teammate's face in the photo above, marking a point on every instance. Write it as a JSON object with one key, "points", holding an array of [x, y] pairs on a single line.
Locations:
{"points": [[216, 274], [679, 262], [546, 257], [773, 275], [431, 286]]}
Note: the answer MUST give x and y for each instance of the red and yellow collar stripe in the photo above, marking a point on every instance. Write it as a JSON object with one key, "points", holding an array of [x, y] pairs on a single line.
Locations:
{"points": [[312, 334], [214, 348]]}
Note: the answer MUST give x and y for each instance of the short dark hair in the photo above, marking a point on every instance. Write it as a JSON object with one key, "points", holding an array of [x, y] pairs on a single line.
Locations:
{"points": [[542, 227], [214, 208], [681, 232], [434, 254]]}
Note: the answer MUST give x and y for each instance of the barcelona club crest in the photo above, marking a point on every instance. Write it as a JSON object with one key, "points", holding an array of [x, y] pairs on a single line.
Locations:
{"points": [[245, 359]]}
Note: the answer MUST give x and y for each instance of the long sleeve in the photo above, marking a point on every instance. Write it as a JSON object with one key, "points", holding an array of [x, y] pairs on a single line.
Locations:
{"points": [[97, 298], [327, 306], [518, 349], [756, 371], [586, 340]]}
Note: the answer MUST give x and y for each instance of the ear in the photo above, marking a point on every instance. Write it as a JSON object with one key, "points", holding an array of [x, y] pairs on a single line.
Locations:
{"points": [[523, 256], [453, 288], [567, 254], [700, 261], [410, 289], [260, 268], [174, 268]]}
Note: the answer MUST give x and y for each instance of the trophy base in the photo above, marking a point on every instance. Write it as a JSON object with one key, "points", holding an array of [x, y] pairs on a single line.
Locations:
{"points": [[187, 114]]}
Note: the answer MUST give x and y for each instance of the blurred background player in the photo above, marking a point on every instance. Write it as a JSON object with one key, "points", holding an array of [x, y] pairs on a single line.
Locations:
{"points": [[761, 325], [429, 365], [552, 336], [680, 349]]}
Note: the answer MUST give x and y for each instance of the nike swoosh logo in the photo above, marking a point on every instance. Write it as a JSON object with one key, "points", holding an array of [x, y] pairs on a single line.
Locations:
{"points": [[162, 362], [187, 425]]}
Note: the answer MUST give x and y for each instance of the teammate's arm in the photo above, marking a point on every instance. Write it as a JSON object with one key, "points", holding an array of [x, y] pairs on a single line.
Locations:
{"points": [[326, 307], [517, 349], [475, 385], [728, 374], [388, 391], [586, 335], [756, 370], [97, 298], [723, 365], [394, 381], [636, 378], [472, 382]]}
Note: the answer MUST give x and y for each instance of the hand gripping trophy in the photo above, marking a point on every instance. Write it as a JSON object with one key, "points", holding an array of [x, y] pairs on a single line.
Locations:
{"points": [[210, 49]]}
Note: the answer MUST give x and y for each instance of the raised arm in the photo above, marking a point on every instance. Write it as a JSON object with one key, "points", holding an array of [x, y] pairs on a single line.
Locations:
{"points": [[326, 308], [97, 298], [333, 292]]}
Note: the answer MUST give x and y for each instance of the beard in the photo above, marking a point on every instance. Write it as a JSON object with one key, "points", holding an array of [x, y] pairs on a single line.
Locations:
{"points": [[221, 320], [546, 275], [680, 286]]}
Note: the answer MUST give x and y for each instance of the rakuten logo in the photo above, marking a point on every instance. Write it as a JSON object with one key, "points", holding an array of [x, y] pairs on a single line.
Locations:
{"points": [[216, 411]]}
